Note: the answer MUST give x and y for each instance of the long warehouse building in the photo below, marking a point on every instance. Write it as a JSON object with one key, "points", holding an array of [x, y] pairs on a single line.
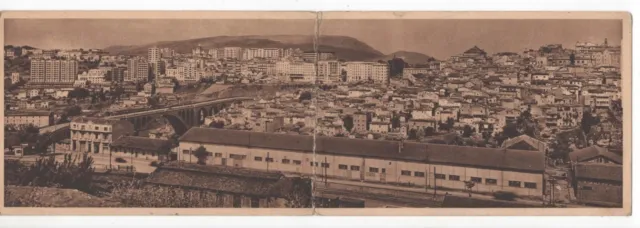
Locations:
{"points": [[419, 164]]}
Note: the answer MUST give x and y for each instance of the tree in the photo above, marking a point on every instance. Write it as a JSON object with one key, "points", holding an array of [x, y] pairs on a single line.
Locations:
{"points": [[299, 196], [348, 122], [429, 131], [217, 124], [73, 111], [572, 59], [467, 131], [79, 93], [469, 186], [202, 154], [510, 131], [70, 173], [420, 134], [588, 121], [306, 95], [395, 122], [559, 148], [413, 134]]}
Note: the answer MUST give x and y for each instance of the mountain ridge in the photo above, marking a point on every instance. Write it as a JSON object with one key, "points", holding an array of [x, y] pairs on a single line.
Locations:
{"points": [[345, 47]]}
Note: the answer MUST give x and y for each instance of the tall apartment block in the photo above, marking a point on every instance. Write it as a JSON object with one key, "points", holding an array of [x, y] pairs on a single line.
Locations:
{"points": [[53, 71]]}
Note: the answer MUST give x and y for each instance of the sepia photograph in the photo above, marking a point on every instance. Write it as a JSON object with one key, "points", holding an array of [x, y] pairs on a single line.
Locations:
{"points": [[335, 111]]}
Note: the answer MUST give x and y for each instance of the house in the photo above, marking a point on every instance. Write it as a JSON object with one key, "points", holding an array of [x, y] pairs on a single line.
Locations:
{"points": [[595, 154], [598, 184]]}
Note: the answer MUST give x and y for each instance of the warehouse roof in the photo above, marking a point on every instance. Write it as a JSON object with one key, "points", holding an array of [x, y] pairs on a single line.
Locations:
{"points": [[491, 158]]}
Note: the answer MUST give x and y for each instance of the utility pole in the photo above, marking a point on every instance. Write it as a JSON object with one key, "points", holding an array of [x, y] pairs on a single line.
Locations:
{"points": [[267, 160], [435, 182], [325, 170]]}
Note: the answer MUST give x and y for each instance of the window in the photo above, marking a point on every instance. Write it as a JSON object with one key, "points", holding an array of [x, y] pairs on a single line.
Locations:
{"points": [[355, 168], [218, 155], [185, 151], [105, 128], [342, 166], [237, 156], [269, 160], [514, 184], [286, 161], [384, 170], [209, 154], [324, 165], [476, 179], [491, 181], [311, 163], [405, 173], [373, 170], [440, 176], [257, 158], [454, 177], [418, 174], [297, 162], [97, 128], [530, 185]]}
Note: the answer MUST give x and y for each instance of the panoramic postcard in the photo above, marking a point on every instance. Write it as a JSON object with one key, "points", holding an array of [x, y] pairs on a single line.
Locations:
{"points": [[322, 113]]}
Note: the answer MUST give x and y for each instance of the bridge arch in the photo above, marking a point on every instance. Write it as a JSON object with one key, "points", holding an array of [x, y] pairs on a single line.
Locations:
{"points": [[178, 124]]}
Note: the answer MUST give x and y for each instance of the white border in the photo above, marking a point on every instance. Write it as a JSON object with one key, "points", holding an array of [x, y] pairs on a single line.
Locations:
{"points": [[632, 6]]}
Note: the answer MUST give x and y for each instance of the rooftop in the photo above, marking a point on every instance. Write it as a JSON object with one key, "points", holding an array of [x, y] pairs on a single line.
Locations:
{"points": [[409, 151]]}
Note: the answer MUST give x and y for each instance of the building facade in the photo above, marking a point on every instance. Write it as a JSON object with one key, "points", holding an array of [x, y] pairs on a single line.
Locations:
{"points": [[429, 165], [95, 135]]}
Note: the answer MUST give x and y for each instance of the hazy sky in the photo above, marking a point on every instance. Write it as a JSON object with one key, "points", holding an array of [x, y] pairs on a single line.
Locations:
{"points": [[438, 38]]}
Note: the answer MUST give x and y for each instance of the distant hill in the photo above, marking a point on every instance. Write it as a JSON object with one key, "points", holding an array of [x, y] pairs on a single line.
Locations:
{"points": [[347, 48], [407, 56]]}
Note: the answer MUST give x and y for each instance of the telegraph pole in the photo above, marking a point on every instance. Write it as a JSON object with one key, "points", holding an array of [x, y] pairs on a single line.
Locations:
{"points": [[267, 160], [435, 182]]}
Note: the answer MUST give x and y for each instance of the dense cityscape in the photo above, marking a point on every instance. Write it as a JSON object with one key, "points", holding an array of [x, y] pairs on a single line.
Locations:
{"points": [[256, 125]]}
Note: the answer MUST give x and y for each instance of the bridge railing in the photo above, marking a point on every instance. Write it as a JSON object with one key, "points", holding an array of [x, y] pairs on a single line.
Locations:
{"points": [[192, 105]]}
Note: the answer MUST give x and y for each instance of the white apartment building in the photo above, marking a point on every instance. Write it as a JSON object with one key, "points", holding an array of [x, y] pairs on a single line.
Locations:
{"points": [[53, 71], [138, 70], [94, 76], [329, 71], [232, 52], [265, 53], [363, 71], [95, 135], [15, 77]]}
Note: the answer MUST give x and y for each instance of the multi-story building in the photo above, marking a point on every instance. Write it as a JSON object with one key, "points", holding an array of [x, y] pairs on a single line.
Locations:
{"points": [[53, 71], [189, 72], [155, 61], [138, 70], [359, 122], [117, 74], [232, 52], [95, 135], [15, 77], [94, 76], [329, 71], [37, 119], [364, 71]]}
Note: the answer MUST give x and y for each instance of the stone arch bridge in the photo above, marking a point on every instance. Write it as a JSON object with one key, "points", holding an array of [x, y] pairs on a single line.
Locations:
{"points": [[181, 117]]}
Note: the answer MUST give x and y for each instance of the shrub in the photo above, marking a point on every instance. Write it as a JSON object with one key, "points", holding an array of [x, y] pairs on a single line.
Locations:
{"points": [[47, 172], [503, 195], [154, 163], [120, 160]]}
